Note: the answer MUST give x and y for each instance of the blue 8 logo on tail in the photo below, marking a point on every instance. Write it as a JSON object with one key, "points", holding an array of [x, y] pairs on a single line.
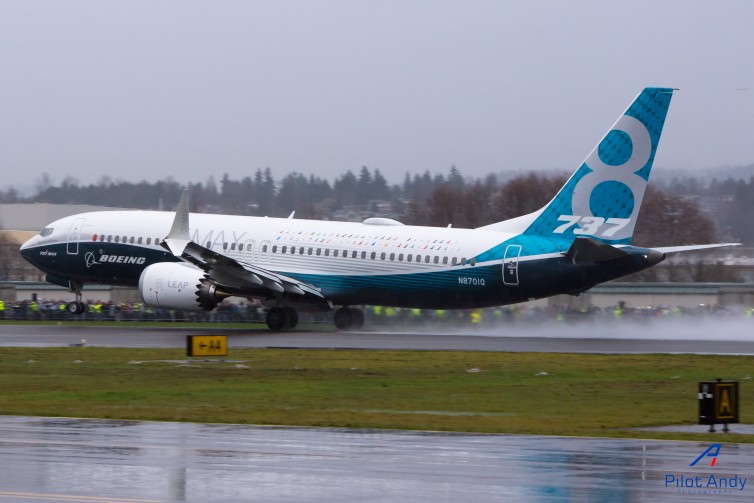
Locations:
{"points": [[605, 202]]}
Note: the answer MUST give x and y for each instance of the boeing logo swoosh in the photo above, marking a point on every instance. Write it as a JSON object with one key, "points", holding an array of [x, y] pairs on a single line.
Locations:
{"points": [[90, 260]]}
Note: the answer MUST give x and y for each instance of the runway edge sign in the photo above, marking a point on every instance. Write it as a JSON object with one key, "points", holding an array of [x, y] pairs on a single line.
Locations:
{"points": [[718, 403], [207, 345]]}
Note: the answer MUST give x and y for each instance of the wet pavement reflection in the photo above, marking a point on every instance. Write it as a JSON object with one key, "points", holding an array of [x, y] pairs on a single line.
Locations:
{"points": [[660, 337], [56, 459]]}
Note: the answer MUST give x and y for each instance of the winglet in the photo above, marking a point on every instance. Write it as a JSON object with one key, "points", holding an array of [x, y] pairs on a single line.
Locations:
{"points": [[178, 237]]}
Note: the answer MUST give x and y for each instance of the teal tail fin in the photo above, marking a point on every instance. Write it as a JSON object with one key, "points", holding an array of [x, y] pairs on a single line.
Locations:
{"points": [[602, 198]]}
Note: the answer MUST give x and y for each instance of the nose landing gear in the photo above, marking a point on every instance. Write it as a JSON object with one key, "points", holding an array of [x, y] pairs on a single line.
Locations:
{"points": [[77, 306]]}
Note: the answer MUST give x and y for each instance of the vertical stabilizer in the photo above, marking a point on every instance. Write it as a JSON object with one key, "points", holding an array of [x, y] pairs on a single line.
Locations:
{"points": [[602, 198]]}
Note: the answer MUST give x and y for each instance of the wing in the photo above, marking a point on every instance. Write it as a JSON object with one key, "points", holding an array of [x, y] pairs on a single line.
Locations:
{"points": [[233, 276]]}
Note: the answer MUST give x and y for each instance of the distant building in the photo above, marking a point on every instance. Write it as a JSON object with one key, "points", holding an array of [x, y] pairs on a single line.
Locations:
{"points": [[34, 216]]}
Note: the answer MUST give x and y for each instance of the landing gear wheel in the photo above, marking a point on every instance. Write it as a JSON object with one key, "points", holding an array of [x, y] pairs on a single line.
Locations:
{"points": [[291, 318], [276, 318], [76, 307], [357, 318], [282, 318], [343, 318], [347, 318]]}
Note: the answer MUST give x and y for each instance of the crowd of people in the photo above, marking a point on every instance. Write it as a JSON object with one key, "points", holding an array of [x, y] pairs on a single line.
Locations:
{"points": [[227, 312]]}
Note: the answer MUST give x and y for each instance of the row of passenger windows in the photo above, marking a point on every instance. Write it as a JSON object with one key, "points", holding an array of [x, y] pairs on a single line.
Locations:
{"points": [[400, 257], [124, 239]]}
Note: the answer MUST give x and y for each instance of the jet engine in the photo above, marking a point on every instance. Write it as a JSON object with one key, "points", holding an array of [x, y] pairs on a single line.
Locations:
{"points": [[171, 285]]}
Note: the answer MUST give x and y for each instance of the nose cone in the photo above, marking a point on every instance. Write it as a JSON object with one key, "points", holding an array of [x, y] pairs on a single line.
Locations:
{"points": [[26, 249]]}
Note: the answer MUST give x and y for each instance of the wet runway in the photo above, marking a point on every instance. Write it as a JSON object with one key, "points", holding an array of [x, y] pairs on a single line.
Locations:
{"points": [[51, 459], [96, 461], [710, 336]]}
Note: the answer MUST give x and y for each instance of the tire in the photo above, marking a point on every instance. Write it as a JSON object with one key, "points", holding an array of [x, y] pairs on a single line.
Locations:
{"points": [[276, 318], [357, 318], [343, 318], [76, 307], [291, 318]]}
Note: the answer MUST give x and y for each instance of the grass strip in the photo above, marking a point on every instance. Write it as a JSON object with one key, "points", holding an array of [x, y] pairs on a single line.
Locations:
{"points": [[532, 393]]}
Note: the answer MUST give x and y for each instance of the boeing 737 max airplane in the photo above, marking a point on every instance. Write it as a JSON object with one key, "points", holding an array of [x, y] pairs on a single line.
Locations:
{"points": [[192, 261]]}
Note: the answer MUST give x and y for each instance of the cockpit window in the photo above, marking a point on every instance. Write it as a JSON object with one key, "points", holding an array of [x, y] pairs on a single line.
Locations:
{"points": [[46, 231]]}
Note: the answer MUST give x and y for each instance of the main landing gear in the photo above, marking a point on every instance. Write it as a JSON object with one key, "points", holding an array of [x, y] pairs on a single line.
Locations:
{"points": [[286, 318], [349, 318], [76, 307], [282, 318]]}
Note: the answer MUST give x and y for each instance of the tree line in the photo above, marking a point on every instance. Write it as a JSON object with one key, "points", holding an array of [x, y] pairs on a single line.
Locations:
{"points": [[674, 212], [681, 211]]}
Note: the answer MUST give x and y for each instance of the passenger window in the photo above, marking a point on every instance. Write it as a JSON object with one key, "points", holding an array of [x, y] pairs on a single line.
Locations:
{"points": [[382, 256], [319, 251], [463, 261], [392, 256], [400, 258], [374, 255], [125, 238], [473, 261], [353, 254], [437, 259], [149, 240], [264, 248], [102, 237], [225, 246], [409, 257], [426, 259], [335, 253], [418, 258], [293, 250], [233, 246], [363, 254], [138, 240], [284, 249], [453, 262], [445, 260], [131, 240], [327, 252], [275, 249], [310, 251]]}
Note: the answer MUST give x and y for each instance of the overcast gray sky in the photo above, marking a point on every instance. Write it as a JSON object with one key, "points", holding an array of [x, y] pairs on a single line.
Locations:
{"points": [[145, 90]]}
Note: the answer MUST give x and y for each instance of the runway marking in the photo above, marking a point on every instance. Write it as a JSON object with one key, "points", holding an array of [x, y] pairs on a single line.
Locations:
{"points": [[80, 499]]}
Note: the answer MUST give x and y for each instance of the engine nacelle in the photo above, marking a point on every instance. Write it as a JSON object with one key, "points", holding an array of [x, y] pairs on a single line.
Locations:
{"points": [[171, 285]]}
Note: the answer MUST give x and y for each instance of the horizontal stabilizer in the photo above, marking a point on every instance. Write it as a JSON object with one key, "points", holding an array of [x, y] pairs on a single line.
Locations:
{"points": [[591, 250], [675, 249]]}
